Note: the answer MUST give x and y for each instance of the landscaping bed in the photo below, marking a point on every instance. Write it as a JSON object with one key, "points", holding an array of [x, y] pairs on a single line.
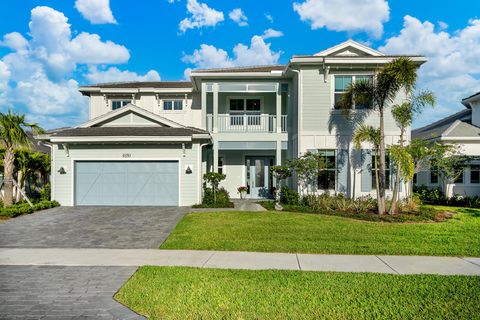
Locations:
{"points": [[24, 208], [192, 293], [317, 233]]}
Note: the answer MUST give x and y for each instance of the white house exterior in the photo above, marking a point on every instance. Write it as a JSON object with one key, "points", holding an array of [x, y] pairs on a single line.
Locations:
{"points": [[463, 129], [149, 143]]}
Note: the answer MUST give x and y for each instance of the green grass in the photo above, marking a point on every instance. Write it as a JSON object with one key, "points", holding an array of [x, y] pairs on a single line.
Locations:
{"points": [[189, 293], [313, 233]]}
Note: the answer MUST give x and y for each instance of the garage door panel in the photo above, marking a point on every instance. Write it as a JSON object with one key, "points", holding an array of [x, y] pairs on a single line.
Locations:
{"points": [[126, 183]]}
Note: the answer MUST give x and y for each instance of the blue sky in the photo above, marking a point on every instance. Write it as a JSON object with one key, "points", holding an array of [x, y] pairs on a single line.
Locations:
{"points": [[48, 48]]}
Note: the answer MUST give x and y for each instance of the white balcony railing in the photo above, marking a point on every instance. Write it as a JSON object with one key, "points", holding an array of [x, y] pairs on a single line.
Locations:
{"points": [[247, 123]]}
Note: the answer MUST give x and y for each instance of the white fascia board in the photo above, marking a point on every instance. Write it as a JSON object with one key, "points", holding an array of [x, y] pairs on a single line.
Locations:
{"points": [[169, 90], [201, 136], [346, 60], [460, 139], [120, 139], [237, 74], [119, 90]]}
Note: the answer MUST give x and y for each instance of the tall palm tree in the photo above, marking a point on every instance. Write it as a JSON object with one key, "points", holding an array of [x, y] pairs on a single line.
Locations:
{"points": [[367, 133], [395, 76], [13, 135]]}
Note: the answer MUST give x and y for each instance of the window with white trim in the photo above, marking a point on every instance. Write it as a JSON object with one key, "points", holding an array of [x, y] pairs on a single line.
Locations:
{"points": [[342, 82], [175, 105], [388, 164], [433, 174], [117, 104]]}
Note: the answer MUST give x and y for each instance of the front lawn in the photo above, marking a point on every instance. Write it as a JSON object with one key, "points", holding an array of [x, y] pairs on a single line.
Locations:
{"points": [[314, 233], [190, 293]]}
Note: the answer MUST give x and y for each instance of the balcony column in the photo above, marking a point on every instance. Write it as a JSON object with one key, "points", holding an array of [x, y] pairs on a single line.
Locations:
{"points": [[215, 108], [204, 105], [215, 156], [279, 108], [278, 153]]}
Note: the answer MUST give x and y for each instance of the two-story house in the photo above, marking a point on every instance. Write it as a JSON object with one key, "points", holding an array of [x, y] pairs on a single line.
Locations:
{"points": [[149, 143], [463, 130]]}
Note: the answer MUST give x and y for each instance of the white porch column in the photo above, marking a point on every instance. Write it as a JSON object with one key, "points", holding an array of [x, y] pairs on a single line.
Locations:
{"points": [[215, 156], [204, 105], [279, 107], [215, 108], [278, 153]]}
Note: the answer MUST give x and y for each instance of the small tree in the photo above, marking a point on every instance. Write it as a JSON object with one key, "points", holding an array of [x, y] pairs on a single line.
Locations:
{"points": [[214, 179], [279, 173], [13, 135], [367, 133]]}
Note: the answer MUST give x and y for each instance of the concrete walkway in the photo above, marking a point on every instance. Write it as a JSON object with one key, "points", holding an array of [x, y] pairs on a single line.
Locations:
{"points": [[241, 260]]}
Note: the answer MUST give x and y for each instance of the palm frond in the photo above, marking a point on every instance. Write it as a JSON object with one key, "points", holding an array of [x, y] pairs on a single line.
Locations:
{"points": [[366, 133]]}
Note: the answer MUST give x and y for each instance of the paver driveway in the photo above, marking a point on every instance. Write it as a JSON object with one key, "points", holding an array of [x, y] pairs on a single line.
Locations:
{"points": [[53, 292], [92, 227]]}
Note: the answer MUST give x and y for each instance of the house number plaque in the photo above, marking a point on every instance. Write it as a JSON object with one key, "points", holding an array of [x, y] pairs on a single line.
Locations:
{"points": [[127, 155]]}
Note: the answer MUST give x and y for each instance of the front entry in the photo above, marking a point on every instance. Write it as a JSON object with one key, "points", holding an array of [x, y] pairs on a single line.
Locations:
{"points": [[259, 179]]}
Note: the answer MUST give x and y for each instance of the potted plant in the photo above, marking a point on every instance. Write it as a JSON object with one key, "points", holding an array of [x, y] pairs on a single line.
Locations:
{"points": [[243, 191]]}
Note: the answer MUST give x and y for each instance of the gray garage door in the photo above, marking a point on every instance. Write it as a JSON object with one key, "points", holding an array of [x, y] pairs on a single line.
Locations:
{"points": [[126, 183]]}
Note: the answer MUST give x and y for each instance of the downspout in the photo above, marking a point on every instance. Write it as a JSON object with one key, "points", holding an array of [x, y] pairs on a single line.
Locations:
{"points": [[299, 100], [199, 171]]}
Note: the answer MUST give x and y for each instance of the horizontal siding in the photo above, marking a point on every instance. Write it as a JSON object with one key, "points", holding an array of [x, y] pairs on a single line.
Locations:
{"points": [[63, 183]]}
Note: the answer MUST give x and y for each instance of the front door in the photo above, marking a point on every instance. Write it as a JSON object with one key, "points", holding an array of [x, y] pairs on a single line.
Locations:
{"points": [[259, 179]]}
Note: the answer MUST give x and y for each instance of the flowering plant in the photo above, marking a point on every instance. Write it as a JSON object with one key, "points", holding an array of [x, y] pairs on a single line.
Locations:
{"points": [[242, 190]]}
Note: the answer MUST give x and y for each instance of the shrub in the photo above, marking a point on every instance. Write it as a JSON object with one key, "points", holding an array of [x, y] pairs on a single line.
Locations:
{"points": [[435, 196], [289, 196], [24, 208], [45, 192], [222, 199]]}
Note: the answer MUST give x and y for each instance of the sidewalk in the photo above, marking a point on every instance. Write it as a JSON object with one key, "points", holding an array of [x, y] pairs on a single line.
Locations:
{"points": [[242, 260]]}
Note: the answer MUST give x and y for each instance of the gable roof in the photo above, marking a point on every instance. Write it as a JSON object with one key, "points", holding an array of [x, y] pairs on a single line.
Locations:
{"points": [[130, 108], [456, 125], [349, 48], [473, 98]]}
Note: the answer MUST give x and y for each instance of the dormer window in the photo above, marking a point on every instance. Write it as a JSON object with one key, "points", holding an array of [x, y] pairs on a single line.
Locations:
{"points": [[169, 105], [117, 104]]}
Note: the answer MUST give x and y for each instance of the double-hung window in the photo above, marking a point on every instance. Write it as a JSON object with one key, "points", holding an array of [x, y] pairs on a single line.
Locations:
{"points": [[117, 104], [169, 105], [458, 176], [342, 82], [387, 170], [327, 174], [475, 174]]}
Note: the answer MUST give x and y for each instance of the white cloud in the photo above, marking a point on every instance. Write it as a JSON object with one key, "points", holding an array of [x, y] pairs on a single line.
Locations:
{"points": [[201, 16], [208, 56], [89, 48], [14, 41], [453, 61], [114, 74], [269, 17], [238, 16], [37, 76], [345, 15], [272, 33], [95, 11]]}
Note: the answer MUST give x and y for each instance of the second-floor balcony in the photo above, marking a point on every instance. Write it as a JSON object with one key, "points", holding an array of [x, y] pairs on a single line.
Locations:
{"points": [[261, 123]]}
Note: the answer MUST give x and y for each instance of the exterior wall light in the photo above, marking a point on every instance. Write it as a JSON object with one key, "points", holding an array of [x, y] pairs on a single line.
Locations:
{"points": [[188, 170], [62, 170]]}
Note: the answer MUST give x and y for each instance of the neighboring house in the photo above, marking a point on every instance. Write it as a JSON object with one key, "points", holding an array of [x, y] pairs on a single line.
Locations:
{"points": [[462, 128], [149, 143]]}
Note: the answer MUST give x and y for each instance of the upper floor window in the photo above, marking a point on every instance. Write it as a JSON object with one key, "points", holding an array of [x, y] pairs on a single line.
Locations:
{"points": [[341, 85], [327, 174], [172, 104], [117, 104], [475, 174]]}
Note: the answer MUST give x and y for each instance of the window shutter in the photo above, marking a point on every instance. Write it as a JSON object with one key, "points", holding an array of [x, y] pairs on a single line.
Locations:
{"points": [[343, 165], [366, 183]]}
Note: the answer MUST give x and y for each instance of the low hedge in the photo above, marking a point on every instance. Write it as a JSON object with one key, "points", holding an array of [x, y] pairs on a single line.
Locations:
{"points": [[24, 208]]}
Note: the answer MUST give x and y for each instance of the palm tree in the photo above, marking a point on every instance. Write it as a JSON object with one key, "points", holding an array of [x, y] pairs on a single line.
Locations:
{"points": [[13, 135], [403, 115], [395, 76], [367, 133]]}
